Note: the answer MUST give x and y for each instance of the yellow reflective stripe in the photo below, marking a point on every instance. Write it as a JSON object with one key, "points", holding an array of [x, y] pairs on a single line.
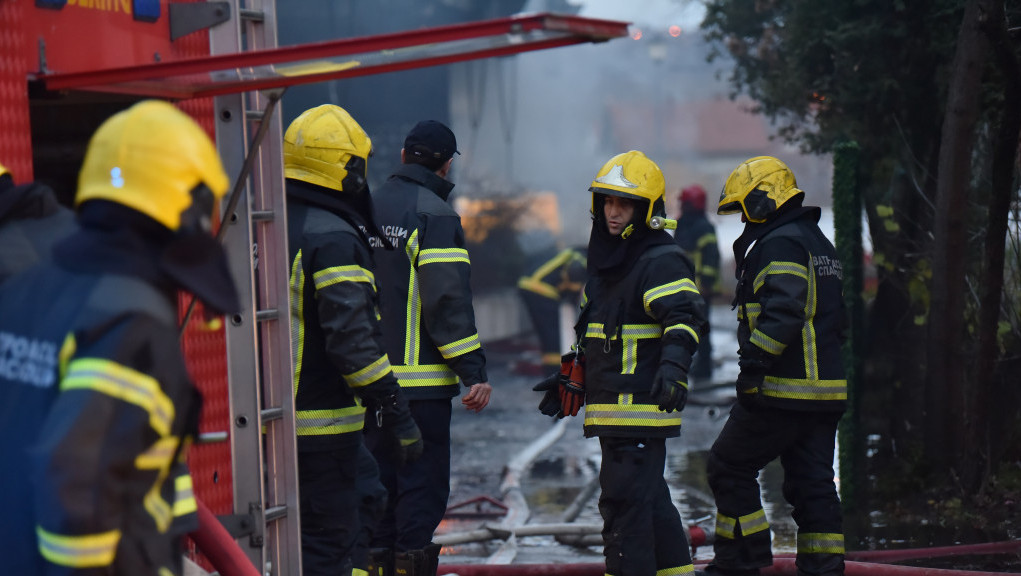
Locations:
{"points": [[326, 422], [436, 255], [762, 340], [691, 331], [705, 240], [539, 287], [158, 457], [184, 496], [413, 313], [123, 383], [754, 522], [799, 389], [725, 526], [459, 347], [67, 350], [551, 358], [779, 268], [753, 309], [88, 551], [425, 375], [297, 285], [686, 569], [682, 285], [349, 273], [358, 572], [820, 543], [808, 330], [369, 374], [594, 330], [630, 335], [629, 415]]}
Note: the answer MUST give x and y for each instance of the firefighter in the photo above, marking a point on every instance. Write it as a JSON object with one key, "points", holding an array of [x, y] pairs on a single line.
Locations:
{"points": [[341, 371], [430, 334], [31, 221], [96, 406], [696, 235], [641, 321], [791, 387], [558, 279]]}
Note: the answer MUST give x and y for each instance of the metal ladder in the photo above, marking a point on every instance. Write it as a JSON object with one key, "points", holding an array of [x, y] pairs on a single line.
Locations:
{"points": [[260, 372]]}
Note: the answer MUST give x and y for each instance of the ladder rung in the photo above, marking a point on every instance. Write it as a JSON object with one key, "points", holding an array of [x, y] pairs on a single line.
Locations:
{"points": [[268, 314], [276, 513], [270, 414], [254, 115], [252, 15], [262, 215], [212, 437]]}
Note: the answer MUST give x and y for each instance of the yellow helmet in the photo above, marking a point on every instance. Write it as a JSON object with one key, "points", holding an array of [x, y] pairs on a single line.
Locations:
{"points": [[150, 158], [632, 175], [4, 170], [758, 188], [326, 147]]}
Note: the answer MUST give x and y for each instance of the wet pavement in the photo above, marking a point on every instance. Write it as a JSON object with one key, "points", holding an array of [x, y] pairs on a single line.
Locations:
{"points": [[483, 444]]}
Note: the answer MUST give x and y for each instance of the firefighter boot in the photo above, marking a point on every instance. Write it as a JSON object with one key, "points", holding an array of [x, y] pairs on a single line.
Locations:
{"points": [[422, 562], [381, 562], [714, 570], [820, 564]]}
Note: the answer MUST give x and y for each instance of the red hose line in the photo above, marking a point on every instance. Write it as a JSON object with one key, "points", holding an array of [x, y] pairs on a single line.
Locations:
{"points": [[1005, 547], [780, 567], [223, 552]]}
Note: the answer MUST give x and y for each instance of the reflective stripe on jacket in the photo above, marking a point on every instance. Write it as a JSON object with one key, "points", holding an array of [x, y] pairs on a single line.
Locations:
{"points": [[790, 306], [562, 276], [631, 325], [426, 298]]}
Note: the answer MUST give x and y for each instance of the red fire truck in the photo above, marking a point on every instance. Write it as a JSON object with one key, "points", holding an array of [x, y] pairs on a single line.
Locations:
{"points": [[66, 65]]}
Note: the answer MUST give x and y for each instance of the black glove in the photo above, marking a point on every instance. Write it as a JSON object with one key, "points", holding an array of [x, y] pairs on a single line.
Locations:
{"points": [[550, 403], [754, 362], [394, 418], [670, 387]]}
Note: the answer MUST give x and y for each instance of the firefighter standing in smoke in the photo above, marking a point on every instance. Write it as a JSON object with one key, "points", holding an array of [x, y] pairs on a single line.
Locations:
{"points": [[696, 235], [98, 418], [791, 388], [640, 324], [557, 279], [341, 368], [429, 328]]}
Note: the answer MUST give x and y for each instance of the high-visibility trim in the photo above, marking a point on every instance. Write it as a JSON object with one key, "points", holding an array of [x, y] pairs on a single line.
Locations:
{"points": [[800, 389], [425, 375], [630, 335], [358, 572], [184, 496], [123, 383], [820, 543], [158, 457], [437, 255], [762, 340], [793, 268], [808, 330], [551, 358], [86, 551], [632, 415], [539, 287], [754, 522], [329, 422], [297, 285], [413, 314], [594, 330], [676, 570], [335, 274], [460, 347], [652, 294], [369, 374], [707, 239], [67, 350], [726, 526], [753, 309], [691, 331]]}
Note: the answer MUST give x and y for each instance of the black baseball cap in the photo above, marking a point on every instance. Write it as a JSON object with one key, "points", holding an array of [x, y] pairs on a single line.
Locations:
{"points": [[431, 140]]}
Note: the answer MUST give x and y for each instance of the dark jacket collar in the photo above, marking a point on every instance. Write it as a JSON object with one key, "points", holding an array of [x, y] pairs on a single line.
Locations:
{"points": [[426, 178], [30, 200]]}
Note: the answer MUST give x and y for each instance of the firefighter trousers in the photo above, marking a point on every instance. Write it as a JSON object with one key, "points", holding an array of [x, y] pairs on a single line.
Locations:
{"points": [[545, 316], [418, 490], [642, 530], [753, 436], [329, 510]]}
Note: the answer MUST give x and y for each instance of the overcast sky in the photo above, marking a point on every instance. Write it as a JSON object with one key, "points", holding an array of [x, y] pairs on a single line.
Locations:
{"points": [[646, 13]]}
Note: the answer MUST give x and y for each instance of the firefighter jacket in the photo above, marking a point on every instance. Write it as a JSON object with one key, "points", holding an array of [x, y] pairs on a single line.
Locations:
{"points": [[696, 235], [560, 277], [31, 221], [428, 318], [339, 358], [791, 311], [96, 412], [628, 326]]}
